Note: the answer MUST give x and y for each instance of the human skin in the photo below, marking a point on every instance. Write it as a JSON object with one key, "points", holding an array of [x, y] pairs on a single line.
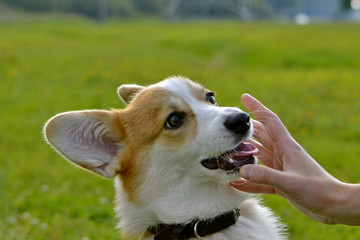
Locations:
{"points": [[289, 171]]}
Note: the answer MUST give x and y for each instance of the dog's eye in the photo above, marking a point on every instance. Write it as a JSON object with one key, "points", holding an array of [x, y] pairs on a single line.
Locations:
{"points": [[174, 121], [210, 97], [212, 100]]}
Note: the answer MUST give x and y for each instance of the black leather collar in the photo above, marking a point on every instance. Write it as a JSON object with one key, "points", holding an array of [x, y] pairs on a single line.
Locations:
{"points": [[196, 228]]}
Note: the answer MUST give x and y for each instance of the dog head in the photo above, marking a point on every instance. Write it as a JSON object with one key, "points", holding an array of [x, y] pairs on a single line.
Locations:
{"points": [[168, 132]]}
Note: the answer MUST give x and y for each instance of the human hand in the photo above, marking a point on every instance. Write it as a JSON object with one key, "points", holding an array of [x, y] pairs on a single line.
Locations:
{"points": [[289, 171]]}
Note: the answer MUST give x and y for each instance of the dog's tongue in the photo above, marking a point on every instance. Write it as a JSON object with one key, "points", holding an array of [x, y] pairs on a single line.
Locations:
{"points": [[244, 151], [233, 160]]}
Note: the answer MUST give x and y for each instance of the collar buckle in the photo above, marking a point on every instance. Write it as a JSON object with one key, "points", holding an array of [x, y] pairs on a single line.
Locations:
{"points": [[195, 230], [236, 214]]}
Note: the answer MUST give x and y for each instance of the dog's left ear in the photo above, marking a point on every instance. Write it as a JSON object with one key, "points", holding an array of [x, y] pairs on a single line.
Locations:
{"points": [[89, 139], [127, 92]]}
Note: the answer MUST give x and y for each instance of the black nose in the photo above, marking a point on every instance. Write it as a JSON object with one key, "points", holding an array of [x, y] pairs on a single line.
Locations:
{"points": [[238, 123]]}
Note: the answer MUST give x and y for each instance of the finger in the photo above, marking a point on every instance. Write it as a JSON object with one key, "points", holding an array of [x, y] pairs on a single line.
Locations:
{"points": [[264, 175], [265, 156], [257, 144], [249, 187], [262, 135], [270, 120]]}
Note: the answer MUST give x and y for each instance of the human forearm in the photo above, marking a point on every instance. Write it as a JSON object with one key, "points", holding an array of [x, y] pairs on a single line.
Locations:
{"points": [[346, 208]]}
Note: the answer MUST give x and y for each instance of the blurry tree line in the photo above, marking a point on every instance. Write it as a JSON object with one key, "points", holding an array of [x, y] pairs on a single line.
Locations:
{"points": [[90, 8], [101, 9]]}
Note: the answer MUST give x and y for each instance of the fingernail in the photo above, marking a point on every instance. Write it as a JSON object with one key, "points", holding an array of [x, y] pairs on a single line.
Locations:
{"points": [[248, 95], [246, 171]]}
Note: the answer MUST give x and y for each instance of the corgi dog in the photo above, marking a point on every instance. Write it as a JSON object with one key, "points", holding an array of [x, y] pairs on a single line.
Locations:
{"points": [[171, 153]]}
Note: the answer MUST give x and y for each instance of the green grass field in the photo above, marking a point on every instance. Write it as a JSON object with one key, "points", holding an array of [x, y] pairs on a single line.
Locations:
{"points": [[309, 75]]}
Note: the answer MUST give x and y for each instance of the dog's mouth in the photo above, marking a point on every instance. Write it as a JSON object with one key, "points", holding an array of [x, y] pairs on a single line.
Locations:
{"points": [[232, 160]]}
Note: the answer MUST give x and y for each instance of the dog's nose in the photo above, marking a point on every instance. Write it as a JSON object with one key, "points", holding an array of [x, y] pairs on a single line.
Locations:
{"points": [[238, 123]]}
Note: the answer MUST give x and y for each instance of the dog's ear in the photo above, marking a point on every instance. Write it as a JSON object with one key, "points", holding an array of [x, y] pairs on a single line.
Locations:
{"points": [[127, 92], [87, 138]]}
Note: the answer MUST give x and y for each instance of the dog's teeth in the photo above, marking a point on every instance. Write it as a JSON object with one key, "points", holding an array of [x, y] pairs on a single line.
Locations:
{"points": [[231, 160]]}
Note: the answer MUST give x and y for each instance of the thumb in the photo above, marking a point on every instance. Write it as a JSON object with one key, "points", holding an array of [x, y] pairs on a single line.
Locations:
{"points": [[263, 175]]}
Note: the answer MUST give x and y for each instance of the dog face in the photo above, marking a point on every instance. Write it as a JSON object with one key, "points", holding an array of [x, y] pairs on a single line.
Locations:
{"points": [[169, 132], [205, 140]]}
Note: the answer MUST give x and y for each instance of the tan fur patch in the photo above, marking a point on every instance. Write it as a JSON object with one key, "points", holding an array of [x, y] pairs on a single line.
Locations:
{"points": [[145, 234], [143, 123], [127, 236]]}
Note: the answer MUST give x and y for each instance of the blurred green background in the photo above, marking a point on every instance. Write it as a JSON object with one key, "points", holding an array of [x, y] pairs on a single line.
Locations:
{"points": [[309, 75]]}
